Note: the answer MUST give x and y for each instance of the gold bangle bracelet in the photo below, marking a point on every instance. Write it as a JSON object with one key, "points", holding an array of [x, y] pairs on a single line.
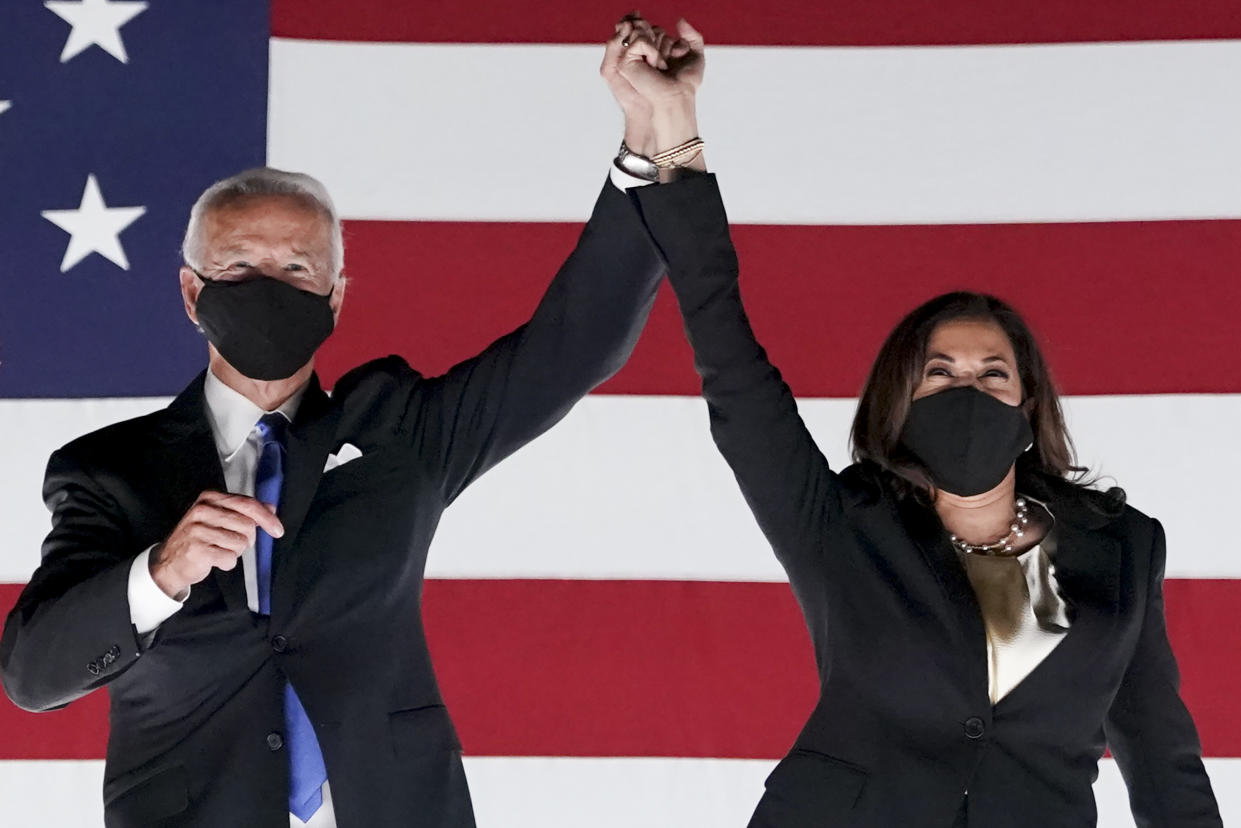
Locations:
{"points": [[683, 161], [684, 149], [682, 152]]}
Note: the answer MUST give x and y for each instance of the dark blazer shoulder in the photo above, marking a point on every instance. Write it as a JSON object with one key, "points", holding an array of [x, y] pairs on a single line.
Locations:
{"points": [[1140, 538], [1106, 515], [376, 400], [375, 378], [1134, 523], [126, 449], [1082, 505], [110, 445], [1143, 541], [861, 485]]}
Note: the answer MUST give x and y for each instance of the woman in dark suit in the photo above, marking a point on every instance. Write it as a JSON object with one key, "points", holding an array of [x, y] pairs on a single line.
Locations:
{"points": [[984, 622]]}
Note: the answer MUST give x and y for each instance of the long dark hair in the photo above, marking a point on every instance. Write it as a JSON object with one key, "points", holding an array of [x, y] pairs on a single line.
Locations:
{"points": [[897, 372]]}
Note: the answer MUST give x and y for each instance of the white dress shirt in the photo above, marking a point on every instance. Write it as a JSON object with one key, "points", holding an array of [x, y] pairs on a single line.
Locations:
{"points": [[624, 181], [233, 419]]}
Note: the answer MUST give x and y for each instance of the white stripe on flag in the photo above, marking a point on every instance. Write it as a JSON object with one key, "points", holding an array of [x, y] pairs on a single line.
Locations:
{"points": [[632, 487], [553, 792], [1081, 132]]}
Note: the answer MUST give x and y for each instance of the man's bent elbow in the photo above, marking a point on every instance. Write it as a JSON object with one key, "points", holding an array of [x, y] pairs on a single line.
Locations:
{"points": [[19, 675]]}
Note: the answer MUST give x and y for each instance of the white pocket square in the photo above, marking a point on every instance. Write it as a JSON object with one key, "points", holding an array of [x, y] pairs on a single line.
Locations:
{"points": [[347, 452]]}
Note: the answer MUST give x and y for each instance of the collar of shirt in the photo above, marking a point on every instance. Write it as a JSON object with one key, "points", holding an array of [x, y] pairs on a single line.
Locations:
{"points": [[233, 416]]}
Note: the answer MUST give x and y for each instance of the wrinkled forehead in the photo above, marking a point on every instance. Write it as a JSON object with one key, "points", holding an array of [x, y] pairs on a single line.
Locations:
{"points": [[268, 224]]}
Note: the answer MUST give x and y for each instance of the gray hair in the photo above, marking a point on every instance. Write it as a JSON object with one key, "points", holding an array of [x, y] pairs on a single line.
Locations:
{"points": [[261, 181]]}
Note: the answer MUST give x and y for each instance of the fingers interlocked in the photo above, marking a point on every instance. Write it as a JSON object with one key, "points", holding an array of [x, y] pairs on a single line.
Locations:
{"points": [[639, 39]]}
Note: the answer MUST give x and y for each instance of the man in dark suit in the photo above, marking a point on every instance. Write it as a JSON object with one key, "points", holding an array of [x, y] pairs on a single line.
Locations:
{"points": [[243, 569]]}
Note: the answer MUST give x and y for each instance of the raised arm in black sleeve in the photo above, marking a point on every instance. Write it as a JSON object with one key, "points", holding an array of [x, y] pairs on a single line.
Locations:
{"points": [[754, 419], [582, 332], [1150, 731]]}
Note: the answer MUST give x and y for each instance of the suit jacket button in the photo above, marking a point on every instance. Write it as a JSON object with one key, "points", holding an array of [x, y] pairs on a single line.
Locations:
{"points": [[275, 741], [975, 727], [93, 668], [115, 652], [279, 643]]}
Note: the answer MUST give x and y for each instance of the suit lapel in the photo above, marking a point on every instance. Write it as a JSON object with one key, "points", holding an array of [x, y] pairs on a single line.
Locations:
{"points": [[192, 466], [1087, 560], [962, 605], [1088, 569], [1087, 556], [310, 438]]}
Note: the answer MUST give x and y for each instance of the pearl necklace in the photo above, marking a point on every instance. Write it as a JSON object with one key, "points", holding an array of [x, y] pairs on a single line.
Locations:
{"points": [[1004, 546]]}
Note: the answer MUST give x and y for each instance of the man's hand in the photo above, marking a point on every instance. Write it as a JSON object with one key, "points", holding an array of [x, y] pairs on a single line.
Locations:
{"points": [[211, 535], [666, 74]]}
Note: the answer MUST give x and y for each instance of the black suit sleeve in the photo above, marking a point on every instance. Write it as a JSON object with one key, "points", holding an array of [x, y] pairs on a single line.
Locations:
{"points": [[70, 631], [581, 333], [1150, 731], [754, 419]]}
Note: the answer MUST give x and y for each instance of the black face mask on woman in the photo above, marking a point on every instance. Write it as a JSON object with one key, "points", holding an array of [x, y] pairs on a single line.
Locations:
{"points": [[966, 438], [265, 328]]}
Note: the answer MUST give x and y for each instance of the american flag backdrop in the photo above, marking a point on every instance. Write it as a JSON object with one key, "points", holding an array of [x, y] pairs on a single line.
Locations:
{"points": [[612, 633]]}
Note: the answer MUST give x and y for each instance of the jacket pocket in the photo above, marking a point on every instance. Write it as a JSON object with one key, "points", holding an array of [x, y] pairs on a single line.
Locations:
{"points": [[367, 473], [810, 790], [148, 797], [419, 731]]}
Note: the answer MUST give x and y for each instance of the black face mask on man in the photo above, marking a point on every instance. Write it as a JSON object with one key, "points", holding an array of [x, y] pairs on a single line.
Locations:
{"points": [[265, 328], [966, 438]]}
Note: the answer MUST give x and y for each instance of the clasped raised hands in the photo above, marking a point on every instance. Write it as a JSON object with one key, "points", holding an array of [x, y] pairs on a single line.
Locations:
{"points": [[654, 77]]}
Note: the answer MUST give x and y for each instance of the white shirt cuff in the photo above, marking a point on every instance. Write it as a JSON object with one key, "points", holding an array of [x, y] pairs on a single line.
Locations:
{"points": [[623, 180], [148, 605]]}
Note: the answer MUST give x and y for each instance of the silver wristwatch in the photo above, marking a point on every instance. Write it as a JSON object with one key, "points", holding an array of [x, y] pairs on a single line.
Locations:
{"points": [[639, 166]]}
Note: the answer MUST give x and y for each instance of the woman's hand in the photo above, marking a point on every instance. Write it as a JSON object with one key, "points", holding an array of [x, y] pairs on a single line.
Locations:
{"points": [[666, 74], [630, 30]]}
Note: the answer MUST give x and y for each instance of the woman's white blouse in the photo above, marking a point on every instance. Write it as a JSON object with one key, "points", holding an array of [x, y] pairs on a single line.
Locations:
{"points": [[1023, 611]]}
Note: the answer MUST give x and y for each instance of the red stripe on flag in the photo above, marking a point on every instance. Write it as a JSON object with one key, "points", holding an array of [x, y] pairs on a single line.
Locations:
{"points": [[1120, 308], [654, 668], [79, 731], [1202, 624], [842, 23]]}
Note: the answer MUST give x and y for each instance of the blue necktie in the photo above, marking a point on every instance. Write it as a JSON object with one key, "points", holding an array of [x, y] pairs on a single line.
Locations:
{"points": [[307, 772]]}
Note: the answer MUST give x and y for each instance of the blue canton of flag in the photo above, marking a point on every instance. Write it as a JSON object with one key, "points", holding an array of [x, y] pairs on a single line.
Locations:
{"points": [[114, 116]]}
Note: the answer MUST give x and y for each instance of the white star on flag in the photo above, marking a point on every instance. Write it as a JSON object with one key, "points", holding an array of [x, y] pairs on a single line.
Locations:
{"points": [[95, 23], [94, 227], [4, 106]]}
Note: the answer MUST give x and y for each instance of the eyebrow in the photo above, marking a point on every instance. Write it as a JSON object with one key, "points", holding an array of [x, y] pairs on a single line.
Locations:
{"points": [[946, 358], [243, 252]]}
